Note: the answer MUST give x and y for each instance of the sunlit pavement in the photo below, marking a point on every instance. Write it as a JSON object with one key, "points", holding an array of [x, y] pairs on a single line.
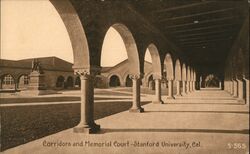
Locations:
{"points": [[206, 121]]}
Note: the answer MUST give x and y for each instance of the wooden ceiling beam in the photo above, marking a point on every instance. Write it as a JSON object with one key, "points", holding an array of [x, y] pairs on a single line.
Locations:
{"points": [[202, 22], [206, 37], [196, 14], [202, 34], [204, 28], [181, 7], [205, 41]]}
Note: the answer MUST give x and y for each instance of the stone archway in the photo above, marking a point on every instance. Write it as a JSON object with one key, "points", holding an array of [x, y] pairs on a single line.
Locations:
{"points": [[151, 83], [60, 82], [211, 81], [133, 64], [23, 81], [168, 64], [114, 81], [81, 65]]}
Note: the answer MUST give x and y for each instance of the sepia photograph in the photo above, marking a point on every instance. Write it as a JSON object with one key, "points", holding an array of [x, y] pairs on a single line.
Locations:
{"points": [[124, 76]]}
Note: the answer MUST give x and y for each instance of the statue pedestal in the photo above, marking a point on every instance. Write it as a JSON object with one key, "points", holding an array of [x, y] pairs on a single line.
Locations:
{"points": [[36, 83]]}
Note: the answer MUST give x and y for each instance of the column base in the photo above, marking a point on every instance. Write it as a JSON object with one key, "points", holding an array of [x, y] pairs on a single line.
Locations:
{"points": [[241, 101], [87, 129], [170, 97], [138, 110], [158, 102]]}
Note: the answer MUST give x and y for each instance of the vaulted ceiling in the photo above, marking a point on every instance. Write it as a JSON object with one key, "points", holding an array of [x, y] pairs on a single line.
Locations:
{"points": [[204, 29]]}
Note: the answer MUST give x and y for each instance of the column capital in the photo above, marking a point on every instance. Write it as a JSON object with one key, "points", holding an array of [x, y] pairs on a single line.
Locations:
{"points": [[87, 72], [135, 76]]}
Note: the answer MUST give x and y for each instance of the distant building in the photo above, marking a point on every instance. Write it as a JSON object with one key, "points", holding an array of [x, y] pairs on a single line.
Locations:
{"points": [[14, 74], [58, 74]]}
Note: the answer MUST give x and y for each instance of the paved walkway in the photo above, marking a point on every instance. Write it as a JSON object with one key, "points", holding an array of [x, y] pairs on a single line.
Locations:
{"points": [[203, 122]]}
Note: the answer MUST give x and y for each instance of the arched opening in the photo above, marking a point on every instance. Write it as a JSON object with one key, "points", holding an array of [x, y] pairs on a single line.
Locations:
{"points": [[23, 81], [124, 42], [151, 82], [184, 72], [188, 73], [8, 82], [60, 82], [212, 81], [168, 64], [128, 82], [77, 82], [178, 70], [114, 81], [70, 82]]}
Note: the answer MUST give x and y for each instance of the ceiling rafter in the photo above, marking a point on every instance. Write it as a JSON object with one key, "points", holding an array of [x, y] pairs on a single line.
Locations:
{"points": [[182, 7], [212, 40], [206, 37], [202, 22], [196, 14], [204, 28], [203, 33]]}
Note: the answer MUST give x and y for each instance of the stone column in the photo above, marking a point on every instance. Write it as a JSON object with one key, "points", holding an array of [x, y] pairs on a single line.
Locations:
{"points": [[170, 89], [188, 87], [235, 87], [194, 86], [231, 87], [158, 99], [247, 91], [240, 90], [220, 85], [87, 124], [136, 104], [183, 88], [178, 88]]}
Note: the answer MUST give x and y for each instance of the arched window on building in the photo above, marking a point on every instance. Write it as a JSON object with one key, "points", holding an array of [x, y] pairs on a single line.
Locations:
{"points": [[69, 82], [23, 82], [60, 82], [77, 82], [114, 81], [128, 82], [8, 82]]}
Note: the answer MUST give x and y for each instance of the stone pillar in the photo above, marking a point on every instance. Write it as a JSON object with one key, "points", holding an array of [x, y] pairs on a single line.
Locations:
{"points": [[247, 91], [231, 87], [158, 99], [178, 84], [188, 87], [240, 91], [87, 124], [220, 85], [235, 87], [170, 89], [194, 86], [136, 104], [183, 88]]}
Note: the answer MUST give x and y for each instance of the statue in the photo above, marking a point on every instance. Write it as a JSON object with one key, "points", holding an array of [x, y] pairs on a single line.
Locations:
{"points": [[36, 66]]}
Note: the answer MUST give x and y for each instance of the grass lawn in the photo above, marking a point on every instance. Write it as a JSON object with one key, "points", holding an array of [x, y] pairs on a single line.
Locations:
{"points": [[22, 124]]}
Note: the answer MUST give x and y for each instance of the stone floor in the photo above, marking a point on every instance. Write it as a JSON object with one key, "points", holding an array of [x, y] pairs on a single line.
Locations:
{"points": [[209, 121]]}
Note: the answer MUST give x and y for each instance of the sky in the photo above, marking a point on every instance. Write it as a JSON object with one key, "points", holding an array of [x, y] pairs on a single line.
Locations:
{"points": [[34, 29]]}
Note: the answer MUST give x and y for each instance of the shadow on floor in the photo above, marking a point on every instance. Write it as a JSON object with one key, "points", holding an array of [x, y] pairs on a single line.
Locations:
{"points": [[236, 112], [244, 131], [22, 124]]}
